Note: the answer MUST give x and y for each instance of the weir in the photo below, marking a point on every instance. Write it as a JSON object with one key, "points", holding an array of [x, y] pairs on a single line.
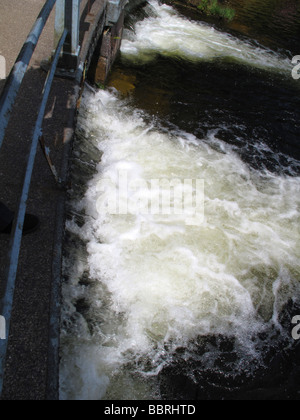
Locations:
{"points": [[153, 308], [78, 27]]}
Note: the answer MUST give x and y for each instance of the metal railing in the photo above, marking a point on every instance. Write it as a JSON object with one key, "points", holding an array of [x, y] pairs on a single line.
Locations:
{"points": [[67, 50]]}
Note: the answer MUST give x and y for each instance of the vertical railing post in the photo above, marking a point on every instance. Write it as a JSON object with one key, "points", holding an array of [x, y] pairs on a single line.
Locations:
{"points": [[59, 21], [68, 17]]}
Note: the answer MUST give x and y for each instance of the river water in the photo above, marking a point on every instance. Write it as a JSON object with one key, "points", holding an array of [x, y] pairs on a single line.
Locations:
{"points": [[156, 307]]}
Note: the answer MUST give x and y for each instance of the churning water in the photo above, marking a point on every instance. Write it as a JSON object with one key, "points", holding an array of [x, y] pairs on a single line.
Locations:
{"points": [[155, 307], [170, 35]]}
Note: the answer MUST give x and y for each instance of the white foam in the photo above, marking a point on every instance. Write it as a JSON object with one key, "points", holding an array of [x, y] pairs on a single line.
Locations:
{"points": [[157, 282], [172, 35]]}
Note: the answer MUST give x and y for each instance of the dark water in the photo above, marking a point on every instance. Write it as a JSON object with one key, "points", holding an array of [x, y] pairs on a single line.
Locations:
{"points": [[257, 112], [248, 107], [275, 23]]}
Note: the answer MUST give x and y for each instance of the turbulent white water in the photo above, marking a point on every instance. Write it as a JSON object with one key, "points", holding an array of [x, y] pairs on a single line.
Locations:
{"points": [[143, 285], [171, 35]]}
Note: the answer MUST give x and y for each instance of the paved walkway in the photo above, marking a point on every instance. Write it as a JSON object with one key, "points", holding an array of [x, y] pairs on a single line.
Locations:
{"points": [[27, 370], [16, 20]]}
